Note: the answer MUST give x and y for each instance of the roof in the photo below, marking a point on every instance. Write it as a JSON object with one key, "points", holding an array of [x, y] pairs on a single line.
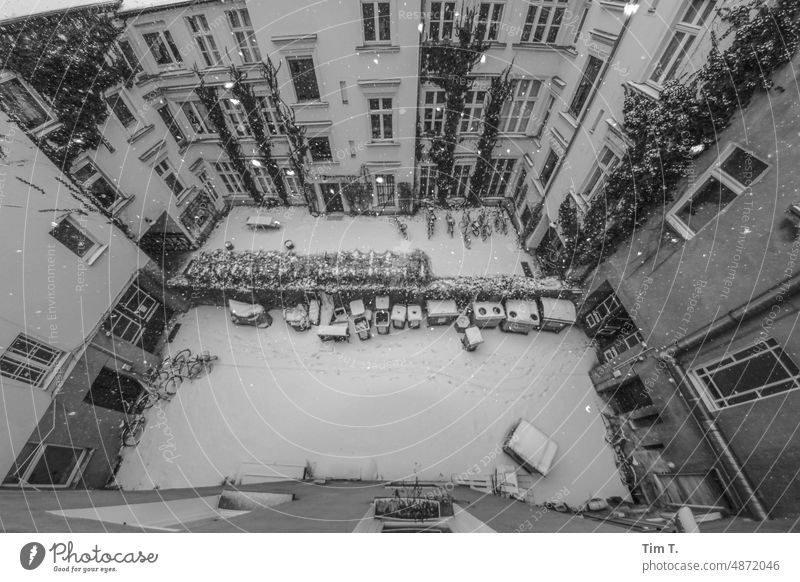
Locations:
{"points": [[19, 9], [134, 6], [535, 447]]}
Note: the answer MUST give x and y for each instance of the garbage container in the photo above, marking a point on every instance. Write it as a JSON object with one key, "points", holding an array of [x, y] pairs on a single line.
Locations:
{"points": [[399, 316], [471, 339], [414, 316], [442, 312], [487, 314]]}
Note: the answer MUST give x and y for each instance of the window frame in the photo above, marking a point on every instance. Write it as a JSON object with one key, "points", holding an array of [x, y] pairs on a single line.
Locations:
{"points": [[204, 39], [244, 35], [552, 171], [389, 189], [205, 123], [714, 171], [522, 107], [230, 178], [471, 107], [24, 361], [36, 456], [168, 119], [328, 150], [433, 113], [601, 170], [167, 170], [119, 199], [167, 43], [38, 100], [442, 22], [380, 114], [294, 77], [135, 320], [376, 22], [118, 97], [462, 169], [493, 26], [502, 175], [585, 87], [553, 12]]}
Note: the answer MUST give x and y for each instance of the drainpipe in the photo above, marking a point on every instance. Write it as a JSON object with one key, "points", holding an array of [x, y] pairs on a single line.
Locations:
{"points": [[700, 411]]}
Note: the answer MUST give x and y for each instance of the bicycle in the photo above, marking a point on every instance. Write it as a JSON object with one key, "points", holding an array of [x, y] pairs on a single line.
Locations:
{"points": [[200, 363], [402, 227], [133, 430]]}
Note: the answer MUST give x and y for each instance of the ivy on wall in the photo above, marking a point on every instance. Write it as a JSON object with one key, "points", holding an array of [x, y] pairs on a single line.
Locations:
{"points": [[244, 92], [448, 65], [68, 58], [209, 97], [664, 134], [499, 92]]}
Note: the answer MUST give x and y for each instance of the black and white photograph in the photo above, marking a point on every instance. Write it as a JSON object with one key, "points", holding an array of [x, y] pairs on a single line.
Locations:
{"points": [[287, 267]]}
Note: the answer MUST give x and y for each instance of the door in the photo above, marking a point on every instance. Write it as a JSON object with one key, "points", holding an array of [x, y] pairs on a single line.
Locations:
{"points": [[332, 195], [702, 489], [52, 466], [113, 391]]}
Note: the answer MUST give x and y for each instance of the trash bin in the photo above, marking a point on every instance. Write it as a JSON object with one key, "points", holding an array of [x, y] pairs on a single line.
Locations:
{"points": [[471, 339], [487, 314], [521, 317], [462, 323], [399, 316], [556, 314], [414, 316], [442, 312]]}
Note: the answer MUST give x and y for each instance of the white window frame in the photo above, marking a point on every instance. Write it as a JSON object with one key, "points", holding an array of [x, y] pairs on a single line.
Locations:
{"points": [[204, 39], [120, 96], [243, 34], [550, 101], [441, 20], [769, 345], [292, 182], [201, 120], [542, 18], [389, 179], [51, 120], [120, 199], [518, 109], [381, 112], [427, 181], [502, 175], [493, 21], [236, 116], [164, 169], [376, 6], [602, 169], [204, 177], [230, 178], [472, 116], [145, 307], [521, 188], [433, 113], [166, 41], [43, 367], [714, 171], [263, 180], [37, 455], [461, 170]]}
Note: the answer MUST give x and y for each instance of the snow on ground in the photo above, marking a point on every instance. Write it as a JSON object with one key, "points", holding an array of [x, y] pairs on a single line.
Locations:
{"points": [[410, 403], [498, 255]]}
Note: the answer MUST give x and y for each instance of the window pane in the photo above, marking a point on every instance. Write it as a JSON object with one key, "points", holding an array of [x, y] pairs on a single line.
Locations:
{"points": [[743, 166], [384, 21], [706, 204], [121, 110], [304, 79], [16, 100], [368, 16], [71, 237]]}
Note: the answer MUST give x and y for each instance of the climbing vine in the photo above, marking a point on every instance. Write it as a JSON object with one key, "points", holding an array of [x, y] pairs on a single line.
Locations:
{"points": [[210, 99], [69, 59], [499, 92], [244, 92], [666, 134], [448, 65]]}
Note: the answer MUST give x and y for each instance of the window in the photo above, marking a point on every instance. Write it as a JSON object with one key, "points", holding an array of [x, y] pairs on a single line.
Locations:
{"points": [[521, 189], [343, 92], [208, 184], [376, 19], [242, 30], [169, 176], [749, 374], [606, 162], [549, 167], [48, 465], [433, 112], [304, 78], [604, 310], [473, 111], [720, 185], [292, 182], [204, 39], [101, 190], [162, 47], [128, 54], [490, 16], [236, 116], [551, 100], [120, 109], [585, 85], [197, 115], [263, 180], [630, 396], [131, 315], [461, 174], [527, 216], [19, 102], [543, 21], [581, 22], [501, 176], [441, 20], [380, 118], [270, 116], [691, 23], [28, 360], [384, 187], [518, 109], [230, 178], [320, 148], [427, 181], [166, 116]]}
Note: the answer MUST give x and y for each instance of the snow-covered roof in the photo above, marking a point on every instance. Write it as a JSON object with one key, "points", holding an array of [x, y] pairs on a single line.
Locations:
{"points": [[18, 9], [147, 5]]}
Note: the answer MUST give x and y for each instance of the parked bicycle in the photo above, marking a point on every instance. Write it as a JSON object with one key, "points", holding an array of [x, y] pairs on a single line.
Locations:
{"points": [[199, 364], [133, 430]]}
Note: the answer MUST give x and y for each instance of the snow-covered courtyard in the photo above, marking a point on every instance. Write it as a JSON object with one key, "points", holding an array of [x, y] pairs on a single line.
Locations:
{"points": [[412, 403], [500, 254]]}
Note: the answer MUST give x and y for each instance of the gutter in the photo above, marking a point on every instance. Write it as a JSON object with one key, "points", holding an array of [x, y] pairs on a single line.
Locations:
{"points": [[716, 439]]}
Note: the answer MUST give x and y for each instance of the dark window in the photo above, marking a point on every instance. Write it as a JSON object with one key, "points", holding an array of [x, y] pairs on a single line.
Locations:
{"points": [[16, 100], [172, 125], [162, 47], [127, 52], [28, 360], [304, 79], [630, 396], [376, 20], [586, 85], [743, 166], [526, 216], [384, 186], [121, 110], [113, 391], [549, 167], [706, 204], [70, 235], [320, 148]]}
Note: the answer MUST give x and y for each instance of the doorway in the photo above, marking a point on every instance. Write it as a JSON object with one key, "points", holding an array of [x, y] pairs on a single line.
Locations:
{"points": [[113, 391], [331, 193], [49, 465]]}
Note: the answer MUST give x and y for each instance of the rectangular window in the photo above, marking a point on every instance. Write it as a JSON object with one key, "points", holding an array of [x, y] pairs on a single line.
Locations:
{"points": [[28, 360], [549, 167], [72, 236], [749, 374], [433, 112], [682, 39], [730, 177], [270, 117], [164, 169], [543, 21], [101, 190], [606, 162], [18, 101], [343, 92], [490, 17], [501, 176], [551, 101], [230, 178], [169, 120], [121, 110], [526, 217], [208, 184], [292, 182], [236, 116], [581, 22], [264, 180], [242, 30], [518, 109], [427, 181], [304, 78], [204, 39], [441, 20], [380, 118], [127, 52], [162, 47], [48, 465], [461, 173], [472, 118], [198, 117], [586, 85], [384, 187], [376, 20], [320, 149], [129, 319], [521, 189]]}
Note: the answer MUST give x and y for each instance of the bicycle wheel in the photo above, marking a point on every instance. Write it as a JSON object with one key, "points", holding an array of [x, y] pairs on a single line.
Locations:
{"points": [[170, 387], [132, 435], [182, 356], [148, 400], [194, 368]]}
